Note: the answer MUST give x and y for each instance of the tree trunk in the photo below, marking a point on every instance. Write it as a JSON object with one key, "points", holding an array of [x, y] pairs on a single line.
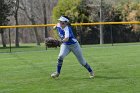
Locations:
{"points": [[36, 32], [16, 19], [45, 19], [32, 19], [3, 39], [17, 34]]}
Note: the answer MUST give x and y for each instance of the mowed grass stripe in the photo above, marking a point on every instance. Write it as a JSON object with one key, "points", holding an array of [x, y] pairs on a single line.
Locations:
{"points": [[117, 70]]}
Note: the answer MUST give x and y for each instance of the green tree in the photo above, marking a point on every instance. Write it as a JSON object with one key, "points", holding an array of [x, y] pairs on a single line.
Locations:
{"points": [[76, 10], [5, 12], [89, 11], [66, 7]]}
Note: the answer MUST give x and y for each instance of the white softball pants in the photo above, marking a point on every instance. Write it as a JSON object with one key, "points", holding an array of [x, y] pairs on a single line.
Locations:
{"points": [[75, 48]]}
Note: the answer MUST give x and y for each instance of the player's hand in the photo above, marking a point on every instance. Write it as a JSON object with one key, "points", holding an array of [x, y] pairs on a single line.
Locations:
{"points": [[54, 27]]}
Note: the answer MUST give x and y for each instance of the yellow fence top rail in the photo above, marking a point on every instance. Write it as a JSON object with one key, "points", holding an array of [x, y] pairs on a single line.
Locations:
{"points": [[74, 24]]}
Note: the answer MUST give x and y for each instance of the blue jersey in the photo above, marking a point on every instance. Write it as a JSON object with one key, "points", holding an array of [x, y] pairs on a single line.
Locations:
{"points": [[66, 33]]}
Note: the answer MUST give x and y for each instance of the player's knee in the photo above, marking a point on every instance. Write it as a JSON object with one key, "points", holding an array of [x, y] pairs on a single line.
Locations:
{"points": [[83, 63], [60, 57]]}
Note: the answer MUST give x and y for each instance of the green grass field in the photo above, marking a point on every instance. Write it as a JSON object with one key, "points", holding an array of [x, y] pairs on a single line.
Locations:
{"points": [[117, 70]]}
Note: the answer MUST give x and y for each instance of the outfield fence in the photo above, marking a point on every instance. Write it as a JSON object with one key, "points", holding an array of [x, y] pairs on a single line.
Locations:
{"points": [[28, 32], [74, 24]]}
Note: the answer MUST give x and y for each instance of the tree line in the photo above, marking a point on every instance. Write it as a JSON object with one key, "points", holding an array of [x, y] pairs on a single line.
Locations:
{"points": [[25, 12], [20, 12], [112, 11]]}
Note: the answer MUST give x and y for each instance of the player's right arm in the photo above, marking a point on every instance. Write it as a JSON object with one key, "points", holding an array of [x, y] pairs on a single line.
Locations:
{"points": [[57, 25]]}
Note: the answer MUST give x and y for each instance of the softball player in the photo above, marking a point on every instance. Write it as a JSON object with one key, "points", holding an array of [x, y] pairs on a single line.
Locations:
{"points": [[69, 44]]}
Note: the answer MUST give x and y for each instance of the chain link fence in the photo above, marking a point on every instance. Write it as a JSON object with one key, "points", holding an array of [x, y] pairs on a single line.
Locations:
{"points": [[33, 38]]}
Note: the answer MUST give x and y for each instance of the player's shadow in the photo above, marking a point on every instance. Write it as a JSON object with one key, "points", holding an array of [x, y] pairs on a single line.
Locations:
{"points": [[111, 77], [106, 77]]}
